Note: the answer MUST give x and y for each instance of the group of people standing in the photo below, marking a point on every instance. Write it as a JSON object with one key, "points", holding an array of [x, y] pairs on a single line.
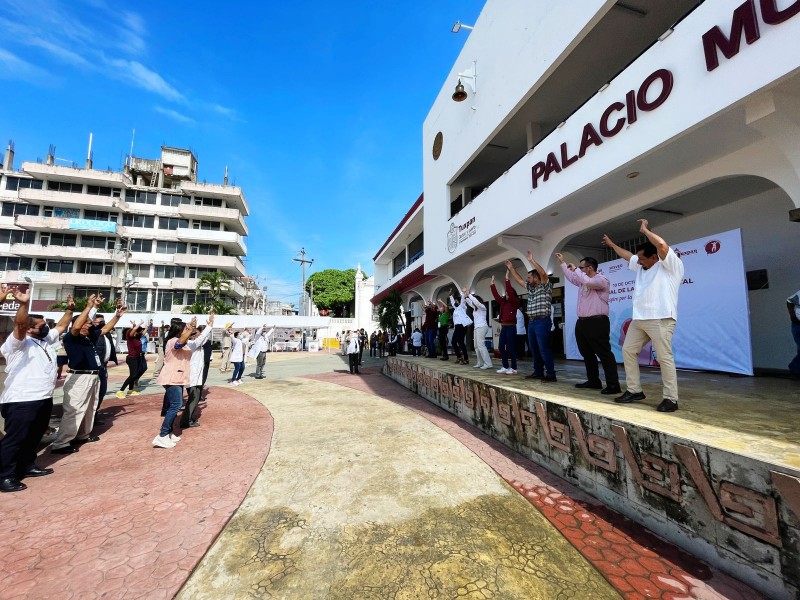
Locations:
{"points": [[658, 276], [238, 345]]}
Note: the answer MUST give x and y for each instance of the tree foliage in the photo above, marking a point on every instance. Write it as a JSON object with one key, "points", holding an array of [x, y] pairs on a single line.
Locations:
{"points": [[80, 304], [390, 311], [215, 283], [333, 289], [203, 308]]}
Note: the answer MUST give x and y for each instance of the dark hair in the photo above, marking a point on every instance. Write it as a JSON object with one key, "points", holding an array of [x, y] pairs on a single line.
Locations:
{"points": [[647, 248], [32, 319], [201, 327], [478, 298], [590, 262], [175, 329]]}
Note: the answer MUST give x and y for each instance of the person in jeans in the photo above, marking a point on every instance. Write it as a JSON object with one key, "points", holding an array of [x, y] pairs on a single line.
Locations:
{"points": [[461, 321], [429, 327], [540, 301], [133, 360], [508, 326], [194, 388], [479, 314], [237, 359], [174, 377], [259, 349], [416, 342]]}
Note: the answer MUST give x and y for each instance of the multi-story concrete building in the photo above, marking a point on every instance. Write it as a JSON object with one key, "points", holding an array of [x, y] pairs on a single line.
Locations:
{"points": [[147, 233]]}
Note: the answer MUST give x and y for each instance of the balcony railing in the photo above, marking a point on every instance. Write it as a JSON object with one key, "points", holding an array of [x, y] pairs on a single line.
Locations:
{"points": [[230, 240], [214, 190], [75, 174], [68, 199], [230, 217]]}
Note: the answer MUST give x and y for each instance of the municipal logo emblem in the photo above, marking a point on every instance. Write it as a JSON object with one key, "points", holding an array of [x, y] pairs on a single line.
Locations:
{"points": [[452, 238]]}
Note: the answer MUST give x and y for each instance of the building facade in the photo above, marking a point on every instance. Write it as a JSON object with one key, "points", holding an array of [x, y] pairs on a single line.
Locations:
{"points": [[146, 234], [580, 118]]}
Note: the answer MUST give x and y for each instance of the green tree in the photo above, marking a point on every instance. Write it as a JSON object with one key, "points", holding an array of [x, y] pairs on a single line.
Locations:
{"points": [[203, 308], [333, 289], [80, 304], [390, 311], [215, 283]]}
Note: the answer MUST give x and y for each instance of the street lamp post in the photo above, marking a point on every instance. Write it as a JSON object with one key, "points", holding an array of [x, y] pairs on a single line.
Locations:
{"points": [[155, 301]]}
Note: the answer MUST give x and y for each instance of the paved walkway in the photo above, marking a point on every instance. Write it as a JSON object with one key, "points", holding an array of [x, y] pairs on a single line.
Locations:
{"points": [[367, 492]]}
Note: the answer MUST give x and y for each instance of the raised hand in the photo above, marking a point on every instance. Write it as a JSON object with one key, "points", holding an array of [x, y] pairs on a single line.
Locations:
{"points": [[508, 274], [210, 320], [99, 300], [530, 256], [21, 297], [560, 257], [90, 302], [642, 225], [492, 279], [508, 264], [70, 302], [606, 241]]}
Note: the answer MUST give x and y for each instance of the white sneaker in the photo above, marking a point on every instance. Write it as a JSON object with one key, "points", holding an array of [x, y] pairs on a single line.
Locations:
{"points": [[174, 438], [484, 367], [163, 442], [477, 367], [503, 370], [511, 371]]}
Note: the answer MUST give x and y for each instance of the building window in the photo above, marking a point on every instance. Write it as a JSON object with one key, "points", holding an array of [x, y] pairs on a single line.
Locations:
{"points": [[14, 263], [197, 272], [97, 241], [95, 268], [8, 236], [192, 297], [207, 225], [100, 215], [171, 247], [415, 249], [169, 271], [198, 201], [55, 266], [172, 223], [85, 292], [138, 270], [399, 263], [146, 221], [205, 249], [20, 183], [11, 209], [140, 197], [99, 190], [140, 245], [171, 199], [58, 239], [65, 186], [167, 298], [137, 300]]}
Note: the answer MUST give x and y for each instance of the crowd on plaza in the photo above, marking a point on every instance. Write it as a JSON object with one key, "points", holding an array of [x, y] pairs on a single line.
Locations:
{"points": [[32, 366]]}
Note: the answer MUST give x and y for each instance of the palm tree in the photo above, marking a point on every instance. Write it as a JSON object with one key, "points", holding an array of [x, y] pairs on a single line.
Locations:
{"points": [[216, 283], [390, 311]]}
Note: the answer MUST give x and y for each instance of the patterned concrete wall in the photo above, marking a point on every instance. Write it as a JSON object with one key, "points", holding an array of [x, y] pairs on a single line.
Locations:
{"points": [[737, 513]]}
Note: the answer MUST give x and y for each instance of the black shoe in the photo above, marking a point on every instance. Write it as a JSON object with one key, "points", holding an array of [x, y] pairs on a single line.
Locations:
{"points": [[64, 450], [549, 379], [667, 406], [12, 484], [91, 438], [612, 389], [534, 376], [629, 397], [35, 471], [590, 385], [444, 358], [194, 423]]}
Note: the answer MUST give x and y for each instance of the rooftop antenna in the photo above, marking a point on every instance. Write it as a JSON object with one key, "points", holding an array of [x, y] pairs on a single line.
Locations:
{"points": [[89, 154], [133, 135]]}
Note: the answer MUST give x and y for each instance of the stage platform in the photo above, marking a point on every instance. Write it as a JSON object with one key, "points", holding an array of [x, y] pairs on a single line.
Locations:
{"points": [[720, 477]]}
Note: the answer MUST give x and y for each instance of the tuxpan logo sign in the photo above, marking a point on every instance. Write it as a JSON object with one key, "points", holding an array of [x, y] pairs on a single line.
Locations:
{"points": [[458, 234]]}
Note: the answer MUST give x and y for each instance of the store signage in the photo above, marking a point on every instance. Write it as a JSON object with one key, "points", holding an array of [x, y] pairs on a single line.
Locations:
{"points": [[744, 23], [625, 112]]}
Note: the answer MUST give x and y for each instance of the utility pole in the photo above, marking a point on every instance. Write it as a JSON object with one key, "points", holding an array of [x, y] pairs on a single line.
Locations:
{"points": [[124, 246], [303, 262], [311, 300]]}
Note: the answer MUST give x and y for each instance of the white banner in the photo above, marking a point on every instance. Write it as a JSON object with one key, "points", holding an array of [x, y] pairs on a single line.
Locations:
{"points": [[713, 329]]}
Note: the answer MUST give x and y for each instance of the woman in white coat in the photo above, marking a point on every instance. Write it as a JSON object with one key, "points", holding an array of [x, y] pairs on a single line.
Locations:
{"points": [[196, 366], [481, 327], [237, 359]]}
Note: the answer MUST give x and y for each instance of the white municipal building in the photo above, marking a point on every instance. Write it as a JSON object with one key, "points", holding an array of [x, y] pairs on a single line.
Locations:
{"points": [[582, 117]]}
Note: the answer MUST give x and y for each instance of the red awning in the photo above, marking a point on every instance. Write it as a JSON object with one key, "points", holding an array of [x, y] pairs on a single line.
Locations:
{"points": [[407, 282]]}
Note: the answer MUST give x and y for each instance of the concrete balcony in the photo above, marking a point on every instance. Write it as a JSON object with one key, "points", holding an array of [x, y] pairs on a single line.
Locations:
{"points": [[229, 193], [69, 200], [230, 240], [61, 252], [73, 174], [230, 217], [45, 278], [64, 224], [145, 233], [232, 265]]}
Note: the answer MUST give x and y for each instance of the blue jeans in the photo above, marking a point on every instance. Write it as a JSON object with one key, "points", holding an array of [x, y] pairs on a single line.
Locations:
{"points": [[539, 342], [507, 343], [794, 366], [238, 371], [430, 342], [173, 398]]}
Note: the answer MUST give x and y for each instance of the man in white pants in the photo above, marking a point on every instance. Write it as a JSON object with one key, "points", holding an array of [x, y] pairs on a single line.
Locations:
{"points": [[659, 274], [260, 348]]}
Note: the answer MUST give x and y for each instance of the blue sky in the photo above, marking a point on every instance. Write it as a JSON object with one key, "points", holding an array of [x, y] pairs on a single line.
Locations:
{"points": [[315, 107]]}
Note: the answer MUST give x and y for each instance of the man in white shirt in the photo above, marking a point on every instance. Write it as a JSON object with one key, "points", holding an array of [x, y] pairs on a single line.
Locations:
{"points": [[260, 348], [196, 366], [27, 398], [659, 274]]}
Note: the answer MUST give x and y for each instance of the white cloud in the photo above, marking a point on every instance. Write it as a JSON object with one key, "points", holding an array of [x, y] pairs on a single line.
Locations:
{"points": [[175, 115], [13, 67], [140, 76]]}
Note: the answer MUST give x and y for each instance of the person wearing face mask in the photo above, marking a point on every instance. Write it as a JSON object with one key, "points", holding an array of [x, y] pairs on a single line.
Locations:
{"points": [[82, 384], [105, 347], [27, 398]]}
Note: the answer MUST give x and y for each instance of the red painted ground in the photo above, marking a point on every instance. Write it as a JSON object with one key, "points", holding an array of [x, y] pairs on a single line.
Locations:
{"points": [[636, 562], [121, 519]]}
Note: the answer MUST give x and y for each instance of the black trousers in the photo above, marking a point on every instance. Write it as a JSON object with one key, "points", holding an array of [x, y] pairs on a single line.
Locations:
{"points": [[103, 387], [206, 365], [193, 399], [459, 345], [134, 365], [25, 425], [592, 335], [353, 360], [443, 340]]}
